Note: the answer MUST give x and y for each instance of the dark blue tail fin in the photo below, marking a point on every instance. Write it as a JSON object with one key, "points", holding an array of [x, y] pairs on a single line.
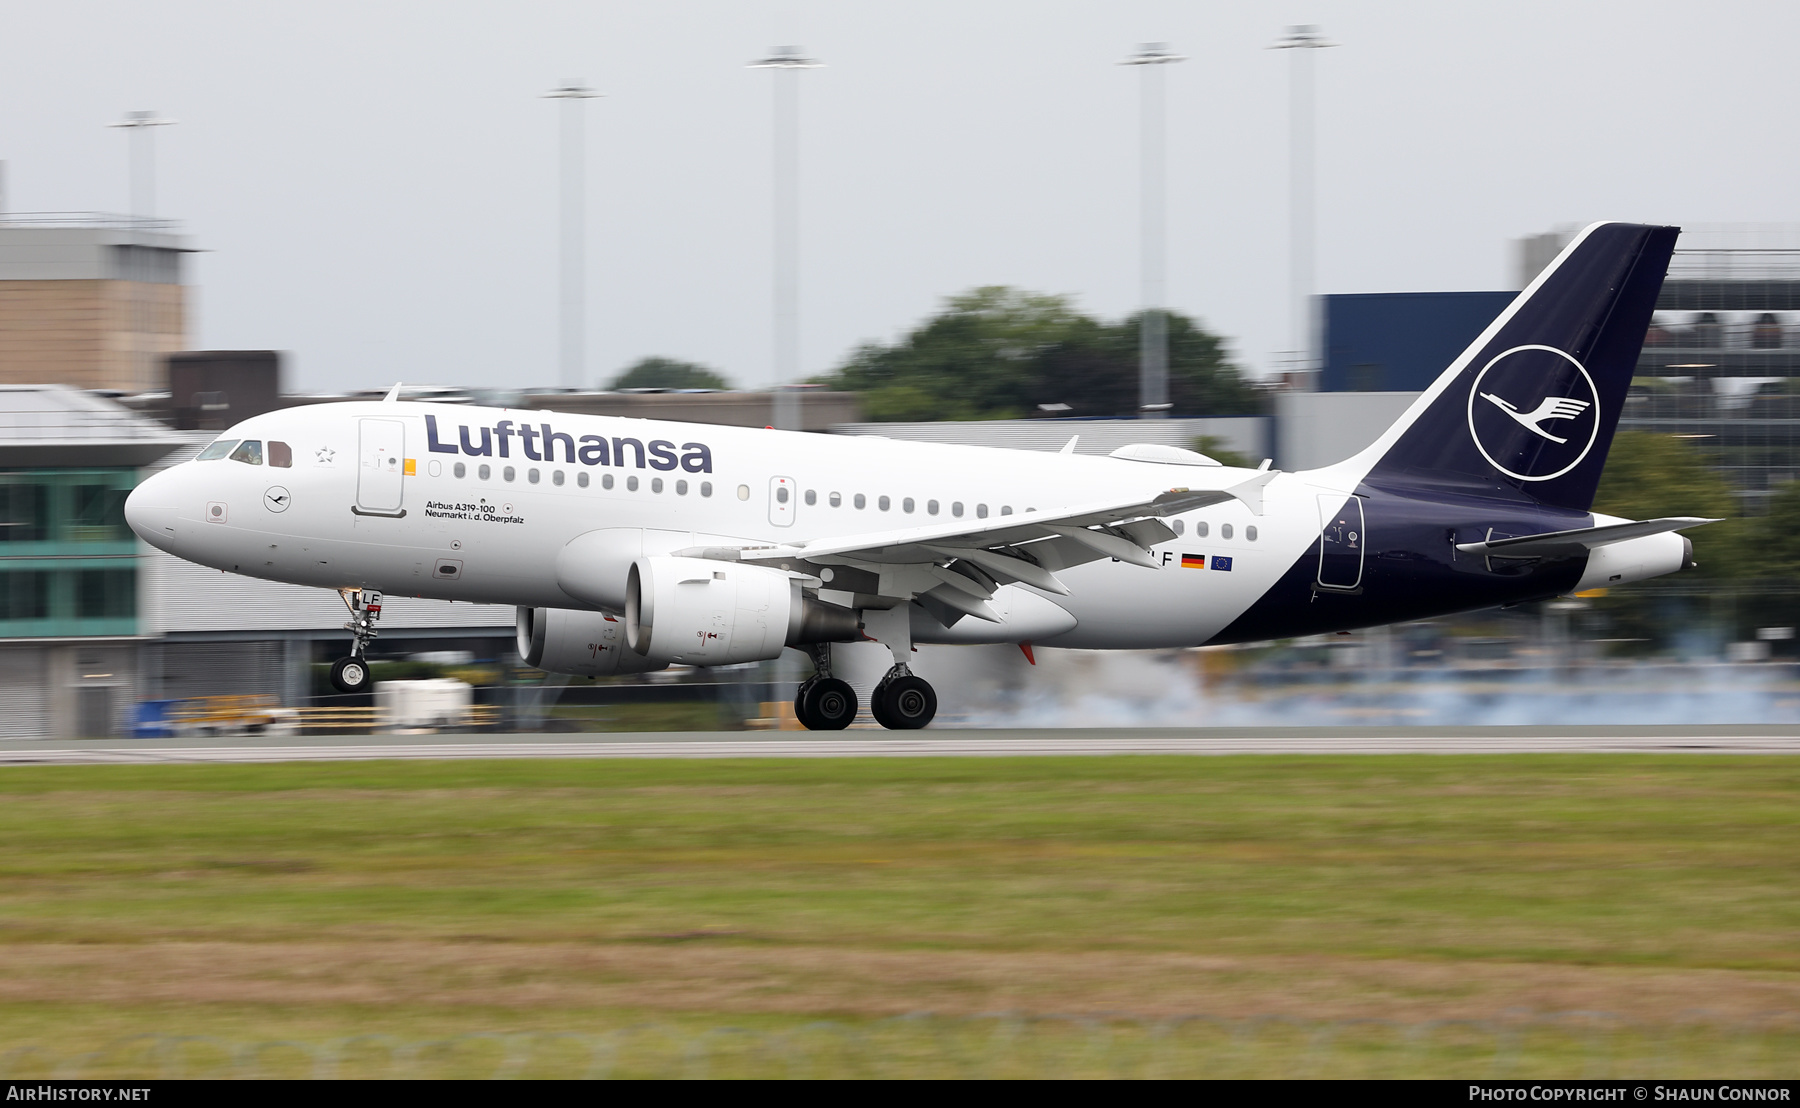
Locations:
{"points": [[1531, 405]]}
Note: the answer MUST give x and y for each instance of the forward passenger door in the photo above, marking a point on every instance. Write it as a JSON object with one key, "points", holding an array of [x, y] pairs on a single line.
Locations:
{"points": [[380, 458]]}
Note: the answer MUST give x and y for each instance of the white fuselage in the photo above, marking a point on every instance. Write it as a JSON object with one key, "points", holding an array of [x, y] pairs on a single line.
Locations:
{"points": [[367, 502]]}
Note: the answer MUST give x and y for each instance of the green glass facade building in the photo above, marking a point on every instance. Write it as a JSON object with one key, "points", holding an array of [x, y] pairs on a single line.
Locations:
{"points": [[67, 559]]}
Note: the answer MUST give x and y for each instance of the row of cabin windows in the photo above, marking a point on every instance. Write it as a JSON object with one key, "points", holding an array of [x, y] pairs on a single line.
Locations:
{"points": [[250, 452], [860, 501], [884, 503], [533, 476], [1201, 530]]}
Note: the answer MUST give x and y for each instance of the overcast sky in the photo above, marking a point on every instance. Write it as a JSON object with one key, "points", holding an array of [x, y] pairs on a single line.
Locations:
{"points": [[376, 183]]}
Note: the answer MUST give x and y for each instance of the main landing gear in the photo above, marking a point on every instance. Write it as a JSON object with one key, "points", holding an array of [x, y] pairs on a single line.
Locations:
{"points": [[351, 674], [903, 701], [824, 702]]}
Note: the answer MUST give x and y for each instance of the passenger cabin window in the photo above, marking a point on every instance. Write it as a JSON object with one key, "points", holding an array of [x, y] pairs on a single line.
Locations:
{"points": [[249, 452], [281, 455], [217, 450]]}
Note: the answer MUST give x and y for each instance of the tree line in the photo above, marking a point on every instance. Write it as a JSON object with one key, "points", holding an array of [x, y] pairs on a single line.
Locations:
{"points": [[1003, 353]]}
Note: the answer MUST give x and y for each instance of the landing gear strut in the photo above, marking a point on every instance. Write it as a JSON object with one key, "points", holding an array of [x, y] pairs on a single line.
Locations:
{"points": [[824, 702], [351, 674], [903, 701]]}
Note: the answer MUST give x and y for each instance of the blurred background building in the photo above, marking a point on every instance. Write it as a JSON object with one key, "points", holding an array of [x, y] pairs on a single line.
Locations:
{"points": [[90, 300]]}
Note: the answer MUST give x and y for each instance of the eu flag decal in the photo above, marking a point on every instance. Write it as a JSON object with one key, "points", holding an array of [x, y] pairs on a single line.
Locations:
{"points": [[1220, 561], [1193, 561]]}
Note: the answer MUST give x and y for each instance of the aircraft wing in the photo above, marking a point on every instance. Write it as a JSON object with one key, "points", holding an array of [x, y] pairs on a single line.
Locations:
{"points": [[1554, 543], [959, 564]]}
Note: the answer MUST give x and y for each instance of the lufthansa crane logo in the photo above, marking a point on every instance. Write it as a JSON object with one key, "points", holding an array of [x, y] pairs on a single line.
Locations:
{"points": [[1534, 413]]}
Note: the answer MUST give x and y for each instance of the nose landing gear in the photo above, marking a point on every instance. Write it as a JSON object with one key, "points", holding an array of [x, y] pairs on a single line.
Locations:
{"points": [[351, 674]]}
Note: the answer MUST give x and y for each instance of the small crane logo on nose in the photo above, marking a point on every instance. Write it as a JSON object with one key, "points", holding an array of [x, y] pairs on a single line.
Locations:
{"points": [[277, 499]]}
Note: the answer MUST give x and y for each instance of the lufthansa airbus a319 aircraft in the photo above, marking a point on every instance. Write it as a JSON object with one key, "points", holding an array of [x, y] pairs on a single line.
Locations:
{"points": [[629, 545]]}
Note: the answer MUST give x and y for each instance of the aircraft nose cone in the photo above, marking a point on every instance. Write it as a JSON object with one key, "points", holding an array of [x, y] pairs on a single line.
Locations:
{"points": [[150, 511]]}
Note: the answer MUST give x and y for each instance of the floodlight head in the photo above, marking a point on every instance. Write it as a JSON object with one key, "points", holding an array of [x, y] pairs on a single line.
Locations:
{"points": [[141, 119], [571, 89], [1302, 36], [787, 57], [1153, 53]]}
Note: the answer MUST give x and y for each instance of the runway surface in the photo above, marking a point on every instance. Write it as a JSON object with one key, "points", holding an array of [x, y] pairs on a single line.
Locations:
{"points": [[1722, 739]]}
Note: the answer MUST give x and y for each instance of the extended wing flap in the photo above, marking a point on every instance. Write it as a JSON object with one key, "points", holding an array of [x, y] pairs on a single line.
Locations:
{"points": [[1553, 543]]}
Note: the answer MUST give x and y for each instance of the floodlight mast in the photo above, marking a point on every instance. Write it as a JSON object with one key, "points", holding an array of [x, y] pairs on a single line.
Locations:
{"points": [[1153, 325], [787, 62], [573, 313], [143, 162], [1303, 39]]}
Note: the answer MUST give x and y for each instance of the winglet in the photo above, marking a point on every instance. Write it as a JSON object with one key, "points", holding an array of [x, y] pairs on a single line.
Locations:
{"points": [[1251, 491], [393, 395], [1069, 447]]}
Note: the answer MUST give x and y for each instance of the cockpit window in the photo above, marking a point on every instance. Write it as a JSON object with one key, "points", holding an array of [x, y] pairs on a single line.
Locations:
{"points": [[249, 452], [281, 455], [217, 450]]}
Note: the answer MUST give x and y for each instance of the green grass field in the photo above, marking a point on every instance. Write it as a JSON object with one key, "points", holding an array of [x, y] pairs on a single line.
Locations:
{"points": [[418, 900]]}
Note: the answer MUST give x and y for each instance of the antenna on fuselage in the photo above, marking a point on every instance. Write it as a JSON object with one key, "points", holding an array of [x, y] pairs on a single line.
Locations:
{"points": [[393, 395]]}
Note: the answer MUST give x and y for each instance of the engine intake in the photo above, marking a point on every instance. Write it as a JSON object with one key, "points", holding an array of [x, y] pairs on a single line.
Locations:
{"points": [[701, 612], [583, 644]]}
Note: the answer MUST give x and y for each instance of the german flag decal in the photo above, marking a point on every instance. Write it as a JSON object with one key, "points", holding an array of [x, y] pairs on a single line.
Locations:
{"points": [[1193, 561]]}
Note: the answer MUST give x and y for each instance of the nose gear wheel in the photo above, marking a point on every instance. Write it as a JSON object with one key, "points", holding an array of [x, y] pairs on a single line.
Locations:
{"points": [[351, 675]]}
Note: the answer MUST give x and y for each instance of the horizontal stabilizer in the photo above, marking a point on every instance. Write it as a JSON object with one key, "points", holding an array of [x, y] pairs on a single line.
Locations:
{"points": [[1555, 543]]}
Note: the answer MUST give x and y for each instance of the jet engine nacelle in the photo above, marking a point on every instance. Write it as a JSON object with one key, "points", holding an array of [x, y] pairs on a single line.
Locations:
{"points": [[702, 612], [583, 644]]}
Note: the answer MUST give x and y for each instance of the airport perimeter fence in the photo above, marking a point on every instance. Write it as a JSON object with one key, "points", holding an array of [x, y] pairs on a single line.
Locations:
{"points": [[926, 1045]]}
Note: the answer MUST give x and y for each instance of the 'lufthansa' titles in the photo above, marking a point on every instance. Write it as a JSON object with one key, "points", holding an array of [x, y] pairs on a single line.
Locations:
{"points": [[541, 443]]}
